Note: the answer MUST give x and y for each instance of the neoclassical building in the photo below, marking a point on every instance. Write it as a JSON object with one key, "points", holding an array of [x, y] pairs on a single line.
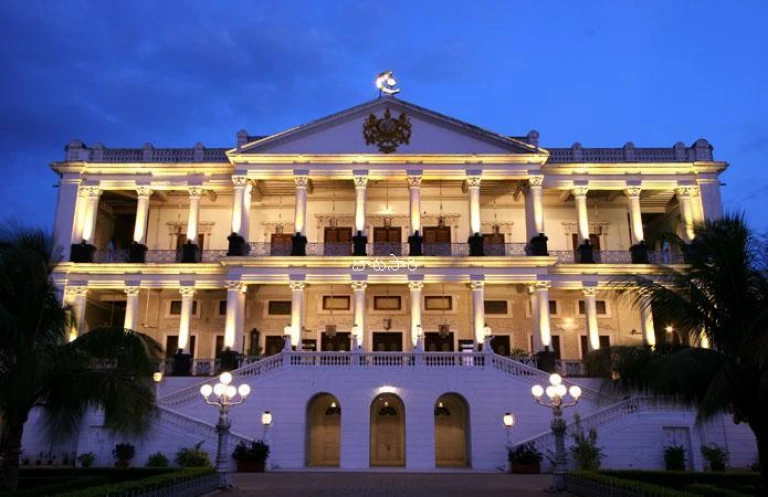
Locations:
{"points": [[384, 275]]}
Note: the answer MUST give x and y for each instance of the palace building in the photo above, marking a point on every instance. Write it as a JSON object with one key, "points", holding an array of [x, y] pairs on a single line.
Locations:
{"points": [[383, 278]]}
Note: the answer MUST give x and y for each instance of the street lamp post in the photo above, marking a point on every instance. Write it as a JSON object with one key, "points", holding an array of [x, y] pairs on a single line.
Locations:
{"points": [[556, 391], [509, 422], [266, 421], [226, 395]]}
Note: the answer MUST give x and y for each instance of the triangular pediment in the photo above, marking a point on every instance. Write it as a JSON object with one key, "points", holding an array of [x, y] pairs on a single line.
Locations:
{"points": [[430, 133]]}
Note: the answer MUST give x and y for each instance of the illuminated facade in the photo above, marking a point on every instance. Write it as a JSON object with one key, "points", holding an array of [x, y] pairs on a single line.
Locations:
{"points": [[380, 261]]}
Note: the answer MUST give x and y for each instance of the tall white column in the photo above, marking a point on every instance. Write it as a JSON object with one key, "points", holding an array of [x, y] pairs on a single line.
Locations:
{"points": [[358, 289], [414, 192], [536, 191], [297, 312], [416, 288], [478, 311], [590, 309], [237, 203], [76, 296], [580, 196], [142, 214], [185, 320], [131, 307], [233, 325], [92, 213], [361, 185], [712, 203], [245, 229], [696, 205], [194, 214], [646, 323], [538, 345], [473, 187], [300, 210], [542, 299], [81, 212], [686, 212], [635, 216]]}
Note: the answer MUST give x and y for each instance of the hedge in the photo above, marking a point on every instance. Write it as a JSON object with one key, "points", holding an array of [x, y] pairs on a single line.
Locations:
{"points": [[713, 491], [60, 487], [140, 486], [680, 479], [639, 487], [114, 475]]}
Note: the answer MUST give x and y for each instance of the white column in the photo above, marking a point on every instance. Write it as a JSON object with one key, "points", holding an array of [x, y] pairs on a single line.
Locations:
{"points": [[142, 214], [194, 214], [712, 203], [542, 299], [245, 229], [237, 203], [646, 323], [535, 188], [300, 210], [416, 289], [297, 312], [187, 300], [66, 216], [538, 346], [76, 296], [478, 311], [475, 223], [696, 205], [580, 196], [358, 289], [131, 308], [81, 211], [590, 309], [240, 325], [414, 191], [686, 212], [361, 184], [635, 217], [91, 214], [233, 325]]}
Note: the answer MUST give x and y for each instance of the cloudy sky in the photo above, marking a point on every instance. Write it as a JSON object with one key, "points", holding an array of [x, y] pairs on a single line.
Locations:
{"points": [[174, 73]]}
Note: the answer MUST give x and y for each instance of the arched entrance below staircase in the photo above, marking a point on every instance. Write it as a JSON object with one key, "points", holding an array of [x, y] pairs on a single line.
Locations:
{"points": [[451, 431], [387, 431], [323, 430]]}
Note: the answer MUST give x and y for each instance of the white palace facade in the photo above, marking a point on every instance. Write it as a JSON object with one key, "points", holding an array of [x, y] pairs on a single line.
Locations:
{"points": [[383, 278]]}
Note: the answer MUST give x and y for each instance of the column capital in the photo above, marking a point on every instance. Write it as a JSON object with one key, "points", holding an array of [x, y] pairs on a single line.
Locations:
{"points": [[477, 284], [301, 181], [543, 285], [589, 291], [536, 181], [580, 191], [360, 181], [414, 181], [416, 285], [687, 191], [473, 181], [195, 191], [91, 191], [187, 291], [359, 285], [297, 286], [632, 191], [144, 191], [131, 291], [239, 181], [234, 285], [76, 290]]}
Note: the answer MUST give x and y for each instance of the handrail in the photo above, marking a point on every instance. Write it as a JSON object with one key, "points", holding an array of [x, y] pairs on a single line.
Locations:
{"points": [[185, 422]]}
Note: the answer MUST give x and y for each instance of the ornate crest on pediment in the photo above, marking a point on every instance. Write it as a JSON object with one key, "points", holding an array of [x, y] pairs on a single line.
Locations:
{"points": [[387, 133]]}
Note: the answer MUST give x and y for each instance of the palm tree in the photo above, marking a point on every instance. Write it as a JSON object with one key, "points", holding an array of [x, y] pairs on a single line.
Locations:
{"points": [[108, 368], [719, 297]]}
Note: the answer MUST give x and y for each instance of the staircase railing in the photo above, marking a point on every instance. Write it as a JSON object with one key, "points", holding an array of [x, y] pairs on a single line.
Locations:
{"points": [[196, 427]]}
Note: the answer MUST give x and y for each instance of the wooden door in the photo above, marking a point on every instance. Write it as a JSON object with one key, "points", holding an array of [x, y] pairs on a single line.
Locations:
{"points": [[386, 341], [338, 343], [280, 244], [433, 342], [387, 240], [437, 240], [450, 432], [387, 431], [493, 244], [337, 241], [273, 344]]}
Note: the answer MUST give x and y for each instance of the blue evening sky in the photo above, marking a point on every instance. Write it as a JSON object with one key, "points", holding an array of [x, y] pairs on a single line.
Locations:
{"points": [[173, 73]]}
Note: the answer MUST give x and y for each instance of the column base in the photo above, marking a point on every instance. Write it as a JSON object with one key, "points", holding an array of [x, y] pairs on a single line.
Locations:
{"points": [[415, 244], [359, 243], [229, 360], [585, 253], [476, 245], [190, 253], [182, 364], [538, 245], [298, 245], [639, 253], [81, 252], [137, 253], [237, 245]]}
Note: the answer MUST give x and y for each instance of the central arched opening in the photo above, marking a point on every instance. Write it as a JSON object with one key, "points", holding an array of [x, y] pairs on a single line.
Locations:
{"points": [[387, 431], [323, 430], [451, 431]]}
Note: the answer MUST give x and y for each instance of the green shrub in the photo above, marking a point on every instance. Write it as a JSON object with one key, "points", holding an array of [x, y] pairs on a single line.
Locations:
{"points": [[637, 487], [192, 457], [113, 475], [713, 491], [674, 457], [157, 460], [716, 456], [587, 454], [39, 488], [86, 460], [138, 487], [525, 454], [678, 480]]}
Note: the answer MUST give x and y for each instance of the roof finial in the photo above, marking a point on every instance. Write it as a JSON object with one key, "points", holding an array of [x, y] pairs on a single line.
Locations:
{"points": [[386, 83]]}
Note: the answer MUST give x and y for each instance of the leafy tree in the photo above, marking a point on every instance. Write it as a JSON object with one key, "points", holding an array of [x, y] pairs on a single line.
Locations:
{"points": [[107, 368], [721, 297]]}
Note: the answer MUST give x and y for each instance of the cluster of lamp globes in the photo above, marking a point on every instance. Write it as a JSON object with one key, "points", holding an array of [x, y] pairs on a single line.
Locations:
{"points": [[556, 389], [224, 391]]}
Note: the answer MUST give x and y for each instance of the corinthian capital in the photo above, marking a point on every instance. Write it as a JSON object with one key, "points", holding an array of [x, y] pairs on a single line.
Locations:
{"points": [[360, 181], [297, 286], [580, 191], [239, 181], [143, 191], [632, 191], [195, 191], [301, 181], [473, 181], [536, 180], [187, 291], [359, 285], [414, 181]]}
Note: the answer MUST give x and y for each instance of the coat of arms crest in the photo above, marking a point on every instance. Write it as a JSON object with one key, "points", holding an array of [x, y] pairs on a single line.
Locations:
{"points": [[387, 133]]}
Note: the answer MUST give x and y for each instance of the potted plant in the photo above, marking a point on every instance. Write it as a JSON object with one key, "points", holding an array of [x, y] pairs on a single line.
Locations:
{"points": [[86, 460], [124, 453], [587, 454], [251, 459], [674, 457], [525, 459], [716, 456]]}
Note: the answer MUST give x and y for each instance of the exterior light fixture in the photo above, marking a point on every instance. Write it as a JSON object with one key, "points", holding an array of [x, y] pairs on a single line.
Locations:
{"points": [[509, 420], [266, 418]]}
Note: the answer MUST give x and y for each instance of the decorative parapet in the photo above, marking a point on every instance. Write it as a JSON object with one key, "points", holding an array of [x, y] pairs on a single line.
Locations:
{"points": [[700, 151]]}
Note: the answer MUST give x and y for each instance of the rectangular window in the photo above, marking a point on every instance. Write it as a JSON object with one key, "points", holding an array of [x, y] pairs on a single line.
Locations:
{"points": [[438, 303], [553, 308], [386, 303], [279, 308], [176, 308], [222, 307], [602, 308], [336, 303], [496, 307]]}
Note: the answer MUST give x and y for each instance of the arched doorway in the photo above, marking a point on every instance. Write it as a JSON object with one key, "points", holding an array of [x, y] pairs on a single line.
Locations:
{"points": [[323, 430], [387, 431], [451, 431]]}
